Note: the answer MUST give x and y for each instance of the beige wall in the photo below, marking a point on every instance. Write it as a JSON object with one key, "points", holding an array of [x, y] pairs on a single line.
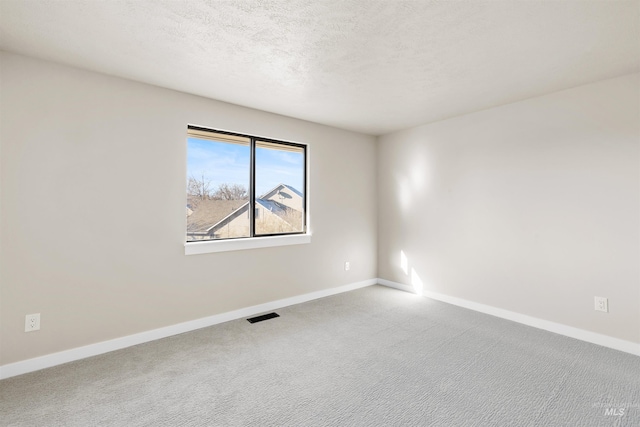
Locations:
{"points": [[93, 220], [532, 207]]}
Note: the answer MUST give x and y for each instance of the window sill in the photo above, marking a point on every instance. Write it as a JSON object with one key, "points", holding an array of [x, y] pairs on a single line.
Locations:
{"points": [[195, 248]]}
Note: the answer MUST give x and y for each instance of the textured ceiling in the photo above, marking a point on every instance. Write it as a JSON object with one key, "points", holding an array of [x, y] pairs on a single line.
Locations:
{"points": [[365, 65]]}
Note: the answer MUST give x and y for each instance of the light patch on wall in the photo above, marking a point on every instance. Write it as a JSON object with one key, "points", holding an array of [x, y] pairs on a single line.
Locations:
{"points": [[403, 193], [404, 263], [416, 282], [412, 182], [418, 173]]}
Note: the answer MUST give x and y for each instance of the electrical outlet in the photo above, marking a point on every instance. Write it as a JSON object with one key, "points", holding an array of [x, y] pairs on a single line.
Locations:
{"points": [[32, 322], [602, 304], [347, 266]]}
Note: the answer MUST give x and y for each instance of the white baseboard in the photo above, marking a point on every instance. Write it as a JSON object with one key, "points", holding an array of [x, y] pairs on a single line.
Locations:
{"points": [[396, 285], [558, 328], [49, 360]]}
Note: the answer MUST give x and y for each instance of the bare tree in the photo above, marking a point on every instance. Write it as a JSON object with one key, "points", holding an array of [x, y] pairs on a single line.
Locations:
{"points": [[230, 192], [199, 188]]}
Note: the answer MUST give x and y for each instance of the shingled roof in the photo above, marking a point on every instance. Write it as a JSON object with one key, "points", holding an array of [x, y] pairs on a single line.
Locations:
{"points": [[206, 213], [209, 215], [277, 188]]}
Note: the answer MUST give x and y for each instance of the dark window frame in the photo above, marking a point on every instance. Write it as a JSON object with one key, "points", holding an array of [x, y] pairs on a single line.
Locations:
{"points": [[252, 183]]}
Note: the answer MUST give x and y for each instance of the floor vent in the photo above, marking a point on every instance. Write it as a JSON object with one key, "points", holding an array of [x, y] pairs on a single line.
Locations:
{"points": [[263, 317]]}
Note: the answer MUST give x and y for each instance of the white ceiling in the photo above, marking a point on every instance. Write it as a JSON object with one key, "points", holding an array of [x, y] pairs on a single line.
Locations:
{"points": [[364, 65]]}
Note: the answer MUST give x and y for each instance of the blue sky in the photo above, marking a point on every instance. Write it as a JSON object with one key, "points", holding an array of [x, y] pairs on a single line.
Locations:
{"points": [[229, 163]]}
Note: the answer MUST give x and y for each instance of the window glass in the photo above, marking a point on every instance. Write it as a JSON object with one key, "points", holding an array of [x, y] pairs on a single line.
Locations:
{"points": [[242, 186], [217, 186], [279, 188]]}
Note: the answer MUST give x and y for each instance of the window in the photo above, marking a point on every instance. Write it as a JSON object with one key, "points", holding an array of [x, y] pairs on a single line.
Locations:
{"points": [[241, 186]]}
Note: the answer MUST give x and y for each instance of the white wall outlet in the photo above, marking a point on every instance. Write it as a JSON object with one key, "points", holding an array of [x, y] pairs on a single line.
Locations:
{"points": [[602, 304], [347, 266], [32, 322]]}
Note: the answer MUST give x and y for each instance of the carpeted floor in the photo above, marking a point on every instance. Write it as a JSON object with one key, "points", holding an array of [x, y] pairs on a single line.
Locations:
{"points": [[371, 357]]}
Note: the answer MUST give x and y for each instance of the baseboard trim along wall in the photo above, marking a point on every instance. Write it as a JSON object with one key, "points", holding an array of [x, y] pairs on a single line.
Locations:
{"points": [[558, 328], [54, 359]]}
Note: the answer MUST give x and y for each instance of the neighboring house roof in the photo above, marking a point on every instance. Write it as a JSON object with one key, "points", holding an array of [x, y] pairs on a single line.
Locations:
{"points": [[278, 188], [273, 206], [210, 215], [284, 212], [227, 219], [206, 213], [293, 189]]}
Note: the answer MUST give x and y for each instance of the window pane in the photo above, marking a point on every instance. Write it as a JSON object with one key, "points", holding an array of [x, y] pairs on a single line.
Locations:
{"points": [[279, 188], [218, 168]]}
